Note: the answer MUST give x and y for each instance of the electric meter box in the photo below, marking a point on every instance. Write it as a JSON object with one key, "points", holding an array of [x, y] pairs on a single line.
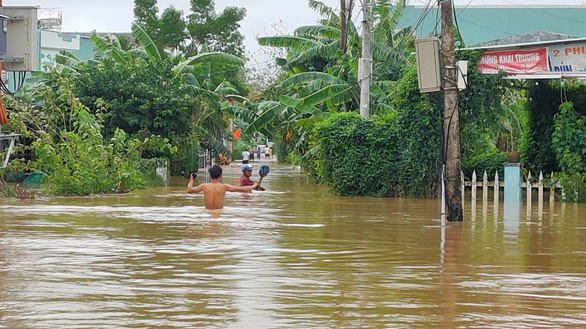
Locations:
{"points": [[22, 38], [3, 25], [427, 55]]}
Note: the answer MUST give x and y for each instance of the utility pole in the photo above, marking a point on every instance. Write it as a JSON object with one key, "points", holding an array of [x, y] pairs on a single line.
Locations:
{"points": [[365, 64], [344, 17], [3, 118], [451, 117]]}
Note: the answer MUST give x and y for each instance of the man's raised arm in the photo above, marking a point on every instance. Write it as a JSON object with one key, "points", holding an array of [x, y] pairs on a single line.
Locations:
{"points": [[191, 189], [232, 188]]}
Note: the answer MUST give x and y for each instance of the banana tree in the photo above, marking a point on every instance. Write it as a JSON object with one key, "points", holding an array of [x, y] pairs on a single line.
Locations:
{"points": [[323, 75], [190, 79]]}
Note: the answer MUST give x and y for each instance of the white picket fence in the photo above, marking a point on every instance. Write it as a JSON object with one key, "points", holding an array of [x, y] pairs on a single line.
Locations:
{"points": [[541, 186], [205, 160]]}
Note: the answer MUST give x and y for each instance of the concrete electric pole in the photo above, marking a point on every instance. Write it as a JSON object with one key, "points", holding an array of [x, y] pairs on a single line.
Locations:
{"points": [[365, 64], [451, 117]]}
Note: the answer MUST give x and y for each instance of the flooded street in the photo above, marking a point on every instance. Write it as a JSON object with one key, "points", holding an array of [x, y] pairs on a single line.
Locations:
{"points": [[293, 256]]}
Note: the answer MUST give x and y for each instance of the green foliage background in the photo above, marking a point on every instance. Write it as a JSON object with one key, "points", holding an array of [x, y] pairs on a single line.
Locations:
{"points": [[69, 150]]}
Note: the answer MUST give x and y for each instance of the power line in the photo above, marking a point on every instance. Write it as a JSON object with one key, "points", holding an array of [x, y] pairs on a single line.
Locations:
{"points": [[468, 4], [488, 28], [514, 4], [547, 12], [423, 16]]}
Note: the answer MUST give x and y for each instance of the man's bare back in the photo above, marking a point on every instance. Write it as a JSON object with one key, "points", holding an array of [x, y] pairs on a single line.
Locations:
{"points": [[214, 192]]}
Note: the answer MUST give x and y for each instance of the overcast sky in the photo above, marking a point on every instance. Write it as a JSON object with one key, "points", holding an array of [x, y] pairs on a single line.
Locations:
{"points": [[262, 15]]}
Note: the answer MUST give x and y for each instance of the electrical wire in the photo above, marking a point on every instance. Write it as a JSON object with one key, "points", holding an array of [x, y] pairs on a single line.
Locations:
{"points": [[422, 16], [489, 28], [468, 4], [547, 13], [457, 26], [18, 83], [445, 151], [515, 4], [437, 21]]}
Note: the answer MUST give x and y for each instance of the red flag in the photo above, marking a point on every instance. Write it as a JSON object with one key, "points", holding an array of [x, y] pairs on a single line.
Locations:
{"points": [[236, 134]]}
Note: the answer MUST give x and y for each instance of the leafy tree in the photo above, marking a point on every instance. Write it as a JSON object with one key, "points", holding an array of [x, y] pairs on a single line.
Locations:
{"points": [[168, 32], [173, 29], [145, 14], [203, 26], [218, 31], [391, 47], [203, 30]]}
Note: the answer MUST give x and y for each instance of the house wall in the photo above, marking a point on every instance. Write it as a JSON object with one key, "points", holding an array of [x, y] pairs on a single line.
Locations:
{"points": [[54, 42]]}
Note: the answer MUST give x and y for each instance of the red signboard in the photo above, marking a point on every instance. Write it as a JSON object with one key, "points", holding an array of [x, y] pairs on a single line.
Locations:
{"points": [[514, 61]]}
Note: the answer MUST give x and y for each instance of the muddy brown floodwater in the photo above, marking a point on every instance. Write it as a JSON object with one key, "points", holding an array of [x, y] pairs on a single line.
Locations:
{"points": [[293, 256]]}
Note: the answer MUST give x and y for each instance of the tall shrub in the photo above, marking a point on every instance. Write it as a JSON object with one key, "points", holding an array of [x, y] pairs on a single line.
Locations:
{"points": [[419, 131], [544, 103], [355, 156], [569, 144], [545, 100], [392, 156], [480, 111]]}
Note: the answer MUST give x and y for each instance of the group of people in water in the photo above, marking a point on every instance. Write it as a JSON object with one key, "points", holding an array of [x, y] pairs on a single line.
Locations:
{"points": [[248, 156]]}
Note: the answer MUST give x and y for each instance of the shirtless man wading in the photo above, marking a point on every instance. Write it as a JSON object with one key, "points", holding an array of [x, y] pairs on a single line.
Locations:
{"points": [[214, 192]]}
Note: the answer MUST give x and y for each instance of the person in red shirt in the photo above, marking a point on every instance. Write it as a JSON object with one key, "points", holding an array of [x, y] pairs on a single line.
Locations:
{"points": [[245, 179]]}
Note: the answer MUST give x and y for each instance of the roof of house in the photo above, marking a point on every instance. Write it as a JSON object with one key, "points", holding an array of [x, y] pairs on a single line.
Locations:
{"points": [[533, 37], [480, 24]]}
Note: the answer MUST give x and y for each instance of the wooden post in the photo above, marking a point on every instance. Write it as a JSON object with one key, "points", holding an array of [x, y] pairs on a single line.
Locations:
{"points": [[540, 193], [528, 195], [474, 186], [484, 195], [462, 187], [485, 187], [451, 116], [496, 194], [551, 192]]}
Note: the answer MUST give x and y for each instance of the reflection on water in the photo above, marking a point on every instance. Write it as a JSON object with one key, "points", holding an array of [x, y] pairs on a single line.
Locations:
{"points": [[293, 256]]}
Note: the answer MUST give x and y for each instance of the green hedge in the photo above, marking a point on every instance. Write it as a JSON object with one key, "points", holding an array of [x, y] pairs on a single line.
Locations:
{"points": [[546, 98], [358, 156], [354, 156], [395, 155], [569, 145]]}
